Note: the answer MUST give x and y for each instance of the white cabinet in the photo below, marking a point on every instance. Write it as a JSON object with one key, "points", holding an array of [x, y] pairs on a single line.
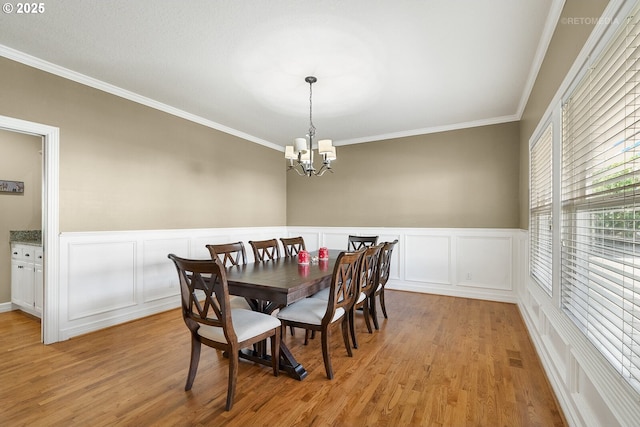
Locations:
{"points": [[26, 278]]}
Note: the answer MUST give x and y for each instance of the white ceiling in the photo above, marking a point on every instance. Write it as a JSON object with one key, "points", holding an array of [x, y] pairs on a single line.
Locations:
{"points": [[385, 68]]}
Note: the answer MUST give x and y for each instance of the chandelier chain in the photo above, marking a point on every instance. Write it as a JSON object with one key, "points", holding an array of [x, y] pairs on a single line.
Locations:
{"points": [[312, 128]]}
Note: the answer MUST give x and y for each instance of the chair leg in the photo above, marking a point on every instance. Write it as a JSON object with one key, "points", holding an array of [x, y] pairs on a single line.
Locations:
{"points": [[307, 334], [352, 326], [233, 375], [293, 331], [326, 335], [384, 307], [283, 331], [193, 364], [275, 351], [345, 334], [367, 315], [374, 311]]}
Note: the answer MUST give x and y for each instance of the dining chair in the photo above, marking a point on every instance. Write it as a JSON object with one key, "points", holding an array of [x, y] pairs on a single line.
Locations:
{"points": [[316, 314], [292, 245], [384, 267], [230, 254], [265, 250], [268, 250], [368, 281], [355, 243], [207, 313]]}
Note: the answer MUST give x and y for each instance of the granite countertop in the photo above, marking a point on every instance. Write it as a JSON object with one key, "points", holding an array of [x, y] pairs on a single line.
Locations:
{"points": [[27, 237]]}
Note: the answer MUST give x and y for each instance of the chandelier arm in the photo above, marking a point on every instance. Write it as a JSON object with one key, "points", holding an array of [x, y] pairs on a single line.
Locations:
{"points": [[296, 169], [325, 167]]}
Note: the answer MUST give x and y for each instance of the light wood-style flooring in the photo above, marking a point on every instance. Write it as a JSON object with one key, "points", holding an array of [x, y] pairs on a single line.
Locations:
{"points": [[437, 361]]}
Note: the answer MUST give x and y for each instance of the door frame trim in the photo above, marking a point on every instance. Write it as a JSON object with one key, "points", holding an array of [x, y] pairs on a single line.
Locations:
{"points": [[50, 219]]}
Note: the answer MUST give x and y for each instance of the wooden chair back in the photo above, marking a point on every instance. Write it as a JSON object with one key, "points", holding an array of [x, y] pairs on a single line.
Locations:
{"points": [[344, 284], [384, 263], [355, 243], [265, 250], [384, 268], [205, 296], [369, 273], [367, 282], [292, 245], [229, 253]]}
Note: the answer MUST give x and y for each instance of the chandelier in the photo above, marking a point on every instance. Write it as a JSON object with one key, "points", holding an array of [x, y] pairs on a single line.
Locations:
{"points": [[300, 155]]}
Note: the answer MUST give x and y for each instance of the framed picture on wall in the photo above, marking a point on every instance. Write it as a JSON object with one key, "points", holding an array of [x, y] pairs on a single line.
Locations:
{"points": [[11, 186]]}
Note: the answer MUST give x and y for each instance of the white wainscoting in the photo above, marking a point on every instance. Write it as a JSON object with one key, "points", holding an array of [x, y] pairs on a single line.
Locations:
{"points": [[590, 392], [472, 263], [108, 278]]}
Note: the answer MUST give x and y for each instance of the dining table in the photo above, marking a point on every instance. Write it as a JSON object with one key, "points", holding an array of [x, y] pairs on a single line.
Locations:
{"points": [[271, 285]]}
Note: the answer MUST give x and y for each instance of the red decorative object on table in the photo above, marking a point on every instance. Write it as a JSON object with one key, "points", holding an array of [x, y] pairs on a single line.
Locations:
{"points": [[303, 257]]}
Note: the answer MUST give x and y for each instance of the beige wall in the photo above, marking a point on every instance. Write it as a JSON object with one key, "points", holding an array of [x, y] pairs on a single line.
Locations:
{"points": [[124, 166], [20, 160], [568, 39], [462, 178]]}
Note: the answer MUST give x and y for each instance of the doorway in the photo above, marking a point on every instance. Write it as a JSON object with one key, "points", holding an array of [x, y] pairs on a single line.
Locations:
{"points": [[20, 220], [50, 218]]}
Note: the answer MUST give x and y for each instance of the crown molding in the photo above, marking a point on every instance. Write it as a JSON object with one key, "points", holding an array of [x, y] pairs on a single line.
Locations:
{"points": [[57, 70]]}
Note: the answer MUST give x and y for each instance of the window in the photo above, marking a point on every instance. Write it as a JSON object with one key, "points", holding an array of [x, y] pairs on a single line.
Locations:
{"points": [[540, 216], [600, 224]]}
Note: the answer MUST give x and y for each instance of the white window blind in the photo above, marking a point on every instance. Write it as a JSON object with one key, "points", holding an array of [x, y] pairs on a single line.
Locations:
{"points": [[600, 225], [540, 212]]}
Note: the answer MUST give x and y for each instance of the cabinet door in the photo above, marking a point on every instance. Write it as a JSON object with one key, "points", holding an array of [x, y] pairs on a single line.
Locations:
{"points": [[22, 276]]}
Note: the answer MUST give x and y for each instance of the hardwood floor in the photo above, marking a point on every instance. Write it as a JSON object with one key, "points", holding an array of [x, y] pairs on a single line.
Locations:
{"points": [[437, 361]]}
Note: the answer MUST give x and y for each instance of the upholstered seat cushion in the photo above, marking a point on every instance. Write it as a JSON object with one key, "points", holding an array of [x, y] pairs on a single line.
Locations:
{"points": [[308, 310], [239, 302], [323, 294], [246, 324]]}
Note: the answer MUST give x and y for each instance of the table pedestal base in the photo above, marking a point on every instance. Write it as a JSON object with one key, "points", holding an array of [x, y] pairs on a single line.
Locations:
{"points": [[287, 362]]}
